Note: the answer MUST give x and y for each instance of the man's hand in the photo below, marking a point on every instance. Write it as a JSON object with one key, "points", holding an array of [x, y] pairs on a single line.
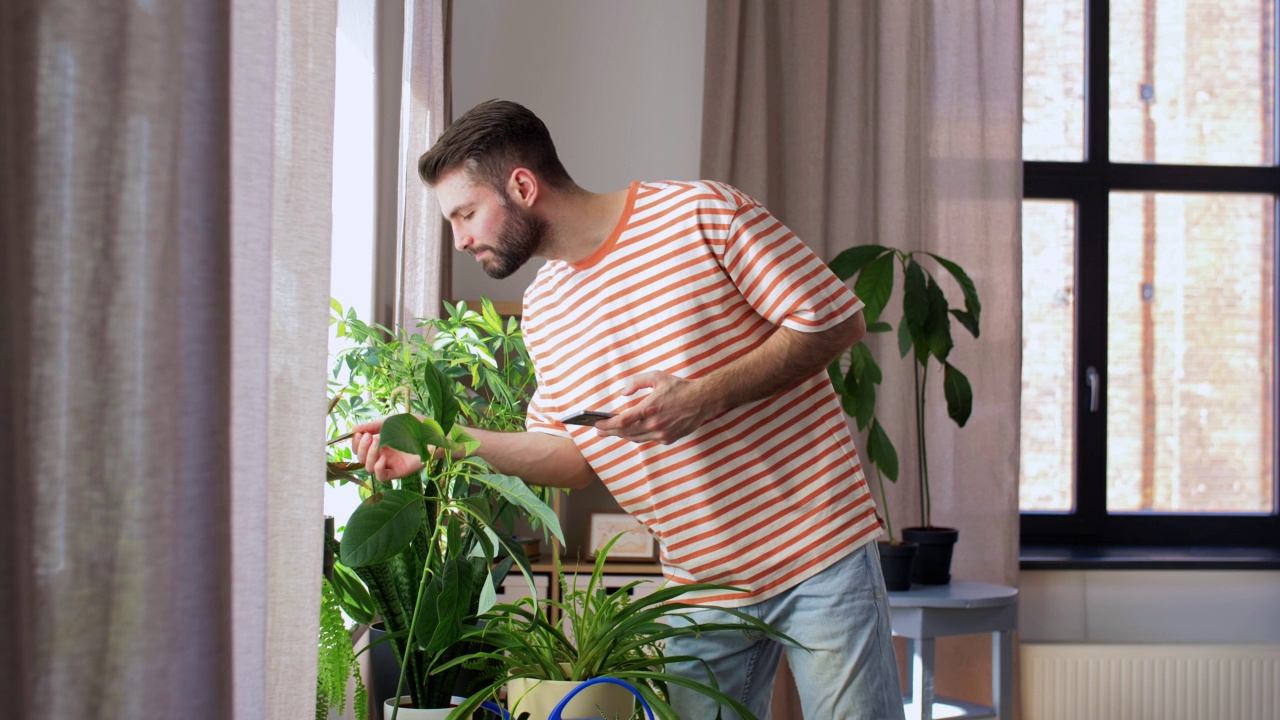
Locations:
{"points": [[385, 464], [674, 409]]}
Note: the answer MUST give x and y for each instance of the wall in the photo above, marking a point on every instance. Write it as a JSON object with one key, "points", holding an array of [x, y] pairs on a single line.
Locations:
{"points": [[618, 83]]}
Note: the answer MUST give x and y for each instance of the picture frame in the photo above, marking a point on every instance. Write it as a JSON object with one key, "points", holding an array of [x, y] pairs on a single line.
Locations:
{"points": [[635, 544]]}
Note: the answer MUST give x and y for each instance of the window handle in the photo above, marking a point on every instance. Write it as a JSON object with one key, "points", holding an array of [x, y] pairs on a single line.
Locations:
{"points": [[1093, 380]]}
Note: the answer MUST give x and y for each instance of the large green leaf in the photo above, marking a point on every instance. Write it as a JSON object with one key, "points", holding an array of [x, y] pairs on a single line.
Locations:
{"points": [[407, 433], [879, 326], [381, 527], [904, 339], [958, 393], [875, 285], [849, 262], [514, 489], [973, 309], [440, 391], [837, 377], [881, 453], [968, 321]]}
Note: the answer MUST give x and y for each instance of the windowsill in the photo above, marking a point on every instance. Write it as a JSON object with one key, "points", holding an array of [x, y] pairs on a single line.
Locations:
{"points": [[1107, 557]]}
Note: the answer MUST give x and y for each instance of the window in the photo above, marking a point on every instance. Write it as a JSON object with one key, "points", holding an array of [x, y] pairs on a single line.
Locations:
{"points": [[1149, 272]]}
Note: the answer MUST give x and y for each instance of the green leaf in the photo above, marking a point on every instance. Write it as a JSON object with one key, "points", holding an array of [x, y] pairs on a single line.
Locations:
{"points": [[865, 403], [406, 433], [968, 321], [866, 365], [875, 285], [973, 308], [440, 391], [514, 489], [904, 339], [879, 326], [837, 377], [937, 326], [915, 300], [335, 306], [849, 262], [381, 527], [460, 439], [881, 453], [958, 393], [353, 595]]}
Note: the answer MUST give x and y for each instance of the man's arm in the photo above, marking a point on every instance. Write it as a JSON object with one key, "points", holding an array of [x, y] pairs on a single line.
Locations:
{"points": [[677, 407], [536, 458]]}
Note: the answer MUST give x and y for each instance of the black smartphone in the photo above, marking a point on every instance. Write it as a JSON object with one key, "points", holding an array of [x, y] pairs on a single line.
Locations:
{"points": [[585, 417]]}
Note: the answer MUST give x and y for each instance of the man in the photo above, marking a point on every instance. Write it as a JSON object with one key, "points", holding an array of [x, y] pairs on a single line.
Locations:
{"points": [[706, 326]]}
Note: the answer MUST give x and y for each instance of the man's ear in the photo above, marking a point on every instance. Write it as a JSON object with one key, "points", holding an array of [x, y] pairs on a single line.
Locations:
{"points": [[522, 187]]}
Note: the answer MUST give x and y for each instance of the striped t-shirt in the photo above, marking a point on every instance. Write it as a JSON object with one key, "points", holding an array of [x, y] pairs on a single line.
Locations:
{"points": [[694, 276]]}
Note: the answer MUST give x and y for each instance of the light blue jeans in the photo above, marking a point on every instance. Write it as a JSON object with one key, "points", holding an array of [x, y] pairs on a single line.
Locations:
{"points": [[841, 615]]}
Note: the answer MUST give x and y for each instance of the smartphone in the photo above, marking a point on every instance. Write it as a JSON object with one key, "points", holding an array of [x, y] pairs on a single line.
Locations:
{"points": [[585, 417]]}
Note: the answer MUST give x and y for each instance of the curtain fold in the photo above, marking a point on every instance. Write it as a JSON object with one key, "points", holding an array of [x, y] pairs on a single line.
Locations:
{"points": [[164, 204], [425, 109], [898, 123]]}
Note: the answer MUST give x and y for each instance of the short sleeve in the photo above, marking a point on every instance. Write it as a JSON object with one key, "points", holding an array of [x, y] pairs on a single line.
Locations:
{"points": [[780, 276]]}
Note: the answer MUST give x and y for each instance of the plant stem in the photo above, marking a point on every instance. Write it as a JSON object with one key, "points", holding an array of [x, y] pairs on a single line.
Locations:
{"points": [[921, 375], [888, 524]]}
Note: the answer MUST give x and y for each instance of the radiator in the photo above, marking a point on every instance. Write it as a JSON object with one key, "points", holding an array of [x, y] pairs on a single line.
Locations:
{"points": [[1150, 682]]}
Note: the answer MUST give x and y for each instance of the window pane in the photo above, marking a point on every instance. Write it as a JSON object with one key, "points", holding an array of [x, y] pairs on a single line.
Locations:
{"points": [[1193, 81], [1053, 80], [1048, 339], [1190, 352]]}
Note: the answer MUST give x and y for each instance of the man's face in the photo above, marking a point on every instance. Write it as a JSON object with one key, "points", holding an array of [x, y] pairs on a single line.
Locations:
{"points": [[500, 235]]}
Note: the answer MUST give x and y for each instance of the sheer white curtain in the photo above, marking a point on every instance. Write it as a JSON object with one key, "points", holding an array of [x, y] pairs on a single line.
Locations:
{"points": [[425, 109], [164, 204], [898, 123]]}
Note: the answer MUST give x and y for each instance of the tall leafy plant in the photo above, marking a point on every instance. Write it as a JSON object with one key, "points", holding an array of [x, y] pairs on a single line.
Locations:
{"points": [[425, 552], [924, 333]]}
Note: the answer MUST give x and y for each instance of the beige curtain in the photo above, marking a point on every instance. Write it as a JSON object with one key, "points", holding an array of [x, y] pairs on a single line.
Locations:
{"points": [[425, 109], [898, 122], [164, 204]]}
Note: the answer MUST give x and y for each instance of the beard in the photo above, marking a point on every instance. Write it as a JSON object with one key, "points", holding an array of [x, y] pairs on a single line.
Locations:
{"points": [[519, 239]]}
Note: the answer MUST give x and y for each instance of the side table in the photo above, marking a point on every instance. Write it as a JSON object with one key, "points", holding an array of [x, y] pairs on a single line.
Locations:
{"points": [[926, 612]]}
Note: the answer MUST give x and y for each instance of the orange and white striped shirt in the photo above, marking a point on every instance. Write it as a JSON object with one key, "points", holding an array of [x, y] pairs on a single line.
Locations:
{"points": [[694, 276]]}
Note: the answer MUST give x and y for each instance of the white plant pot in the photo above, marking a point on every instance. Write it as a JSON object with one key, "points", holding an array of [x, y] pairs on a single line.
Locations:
{"points": [[540, 697], [411, 713]]}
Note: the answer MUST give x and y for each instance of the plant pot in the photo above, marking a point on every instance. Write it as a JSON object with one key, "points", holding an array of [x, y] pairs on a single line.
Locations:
{"points": [[896, 562], [539, 698], [412, 713], [384, 670], [933, 557]]}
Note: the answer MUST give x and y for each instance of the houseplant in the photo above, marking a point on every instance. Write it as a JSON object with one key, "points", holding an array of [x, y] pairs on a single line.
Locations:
{"points": [[611, 635], [925, 333], [426, 551]]}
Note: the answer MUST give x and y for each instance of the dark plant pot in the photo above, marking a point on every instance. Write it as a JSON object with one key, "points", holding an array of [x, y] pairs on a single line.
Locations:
{"points": [[895, 565], [933, 558], [383, 667]]}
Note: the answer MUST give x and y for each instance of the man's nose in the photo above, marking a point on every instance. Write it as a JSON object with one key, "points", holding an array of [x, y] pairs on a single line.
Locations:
{"points": [[462, 241]]}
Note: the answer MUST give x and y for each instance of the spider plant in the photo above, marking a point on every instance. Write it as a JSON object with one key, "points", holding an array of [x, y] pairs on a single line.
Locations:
{"points": [[598, 633]]}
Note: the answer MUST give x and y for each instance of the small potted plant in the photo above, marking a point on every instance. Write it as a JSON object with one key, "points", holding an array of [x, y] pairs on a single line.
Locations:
{"points": [[426, 552], [925, 333], [546, 648]]}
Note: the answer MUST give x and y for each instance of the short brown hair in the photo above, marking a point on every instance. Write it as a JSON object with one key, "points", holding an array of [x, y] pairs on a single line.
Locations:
{"points": [[492, 139]]}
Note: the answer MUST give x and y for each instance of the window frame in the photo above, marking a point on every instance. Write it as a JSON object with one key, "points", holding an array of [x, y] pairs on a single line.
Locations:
{"points": [[1088, 184]]}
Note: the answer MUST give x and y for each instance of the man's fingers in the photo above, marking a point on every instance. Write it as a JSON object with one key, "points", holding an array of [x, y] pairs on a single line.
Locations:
{"points": [[369, 451]]}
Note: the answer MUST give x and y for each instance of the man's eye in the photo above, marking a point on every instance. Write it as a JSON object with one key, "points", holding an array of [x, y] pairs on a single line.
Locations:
{"points": [[468, 215]]}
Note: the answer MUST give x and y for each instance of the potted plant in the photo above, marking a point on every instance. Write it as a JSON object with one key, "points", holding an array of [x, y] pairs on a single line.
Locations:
{"points": [[925, 333], [426, 552], [547, 648]]}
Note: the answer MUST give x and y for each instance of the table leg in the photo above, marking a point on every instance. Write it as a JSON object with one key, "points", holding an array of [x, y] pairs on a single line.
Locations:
{"points": [[921, 707], [1002, 674]]}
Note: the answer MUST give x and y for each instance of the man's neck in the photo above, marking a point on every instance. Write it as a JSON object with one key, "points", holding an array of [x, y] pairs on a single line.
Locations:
{"points": [[580, 222]]}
